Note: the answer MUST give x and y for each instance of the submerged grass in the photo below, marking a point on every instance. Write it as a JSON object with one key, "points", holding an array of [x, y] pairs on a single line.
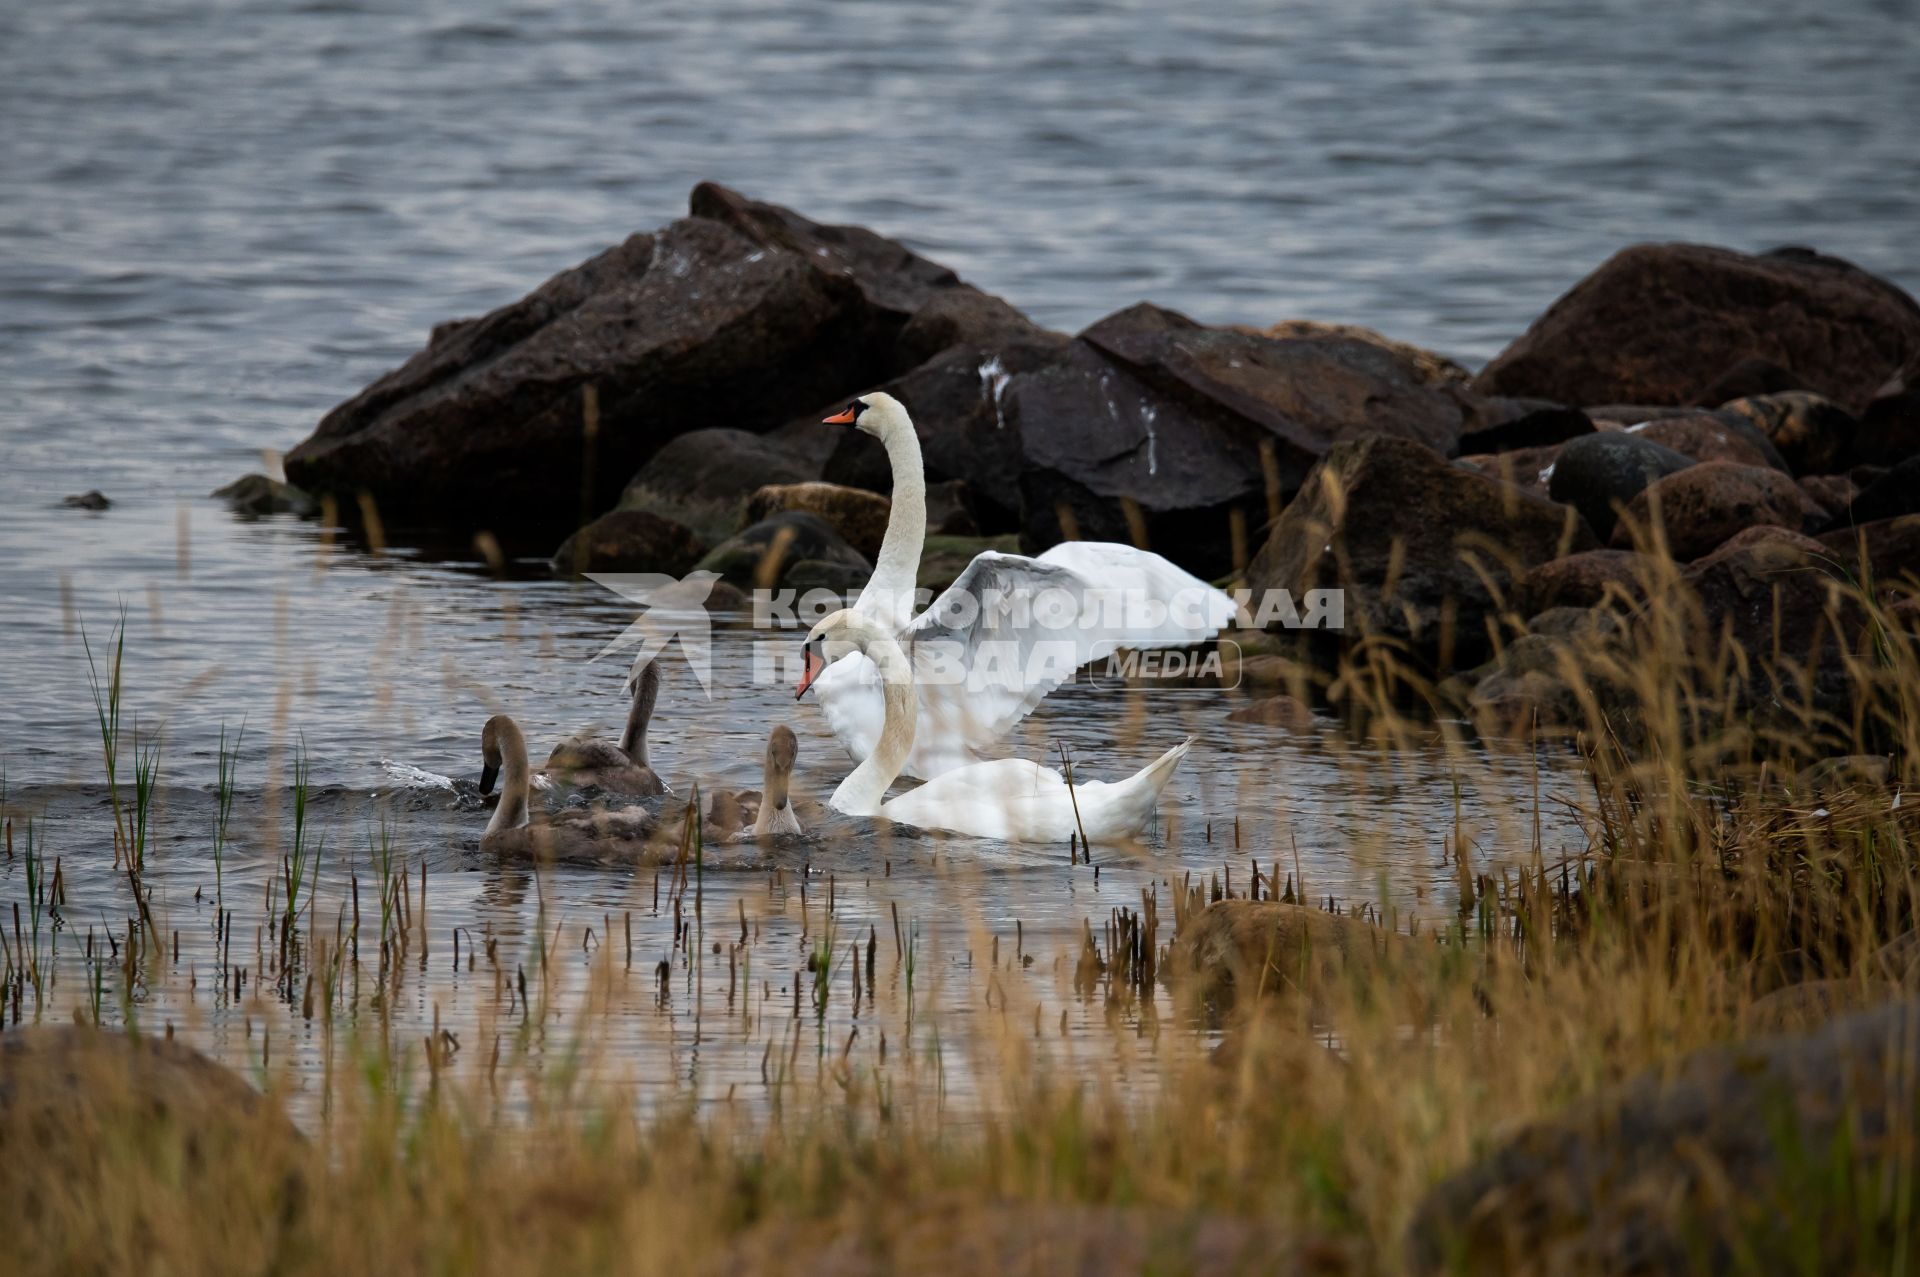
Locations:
{"points": [[1308, 1136]]}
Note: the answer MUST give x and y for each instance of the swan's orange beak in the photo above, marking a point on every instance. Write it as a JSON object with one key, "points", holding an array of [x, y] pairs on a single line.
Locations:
{"points": [[845, 417], [814, 666]]}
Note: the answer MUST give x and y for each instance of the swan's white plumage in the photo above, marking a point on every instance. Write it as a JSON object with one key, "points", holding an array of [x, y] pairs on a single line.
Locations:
{"points": [[978, 668], [1010, 799]]}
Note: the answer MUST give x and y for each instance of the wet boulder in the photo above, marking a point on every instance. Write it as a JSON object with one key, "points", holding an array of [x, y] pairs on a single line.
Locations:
{"points": [[857, 515], [1425, 550], [1812, 434], [255, 495], [1597, 474], [729, 317], [629, 541], [1660, 323], [790, 550], [1700, 507], [1703, 1167]]}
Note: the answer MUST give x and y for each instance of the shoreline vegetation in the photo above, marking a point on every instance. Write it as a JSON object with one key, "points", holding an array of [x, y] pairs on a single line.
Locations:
{"points": [[1691, 1046]]}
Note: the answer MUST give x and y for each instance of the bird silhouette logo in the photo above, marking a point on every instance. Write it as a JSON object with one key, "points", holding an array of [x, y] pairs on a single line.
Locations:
{"points": [[671, 608]]}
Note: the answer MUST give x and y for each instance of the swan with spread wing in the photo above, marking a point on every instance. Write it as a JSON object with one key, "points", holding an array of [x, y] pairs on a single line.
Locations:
{"points": [[1011, 799], [1008, 631]]}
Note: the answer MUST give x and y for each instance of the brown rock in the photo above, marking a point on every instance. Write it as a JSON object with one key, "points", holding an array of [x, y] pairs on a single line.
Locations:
{"points": [[857, 515], [1586, 580], [1528, 468], [1425, 550], [1774, 593], [80, 1106], [1704, 437], [1812, 434], [1704, 1167], [1275, 711], [1702, 506], [1236, 948], [1659, 323], [1831, 492], [629, 541]]}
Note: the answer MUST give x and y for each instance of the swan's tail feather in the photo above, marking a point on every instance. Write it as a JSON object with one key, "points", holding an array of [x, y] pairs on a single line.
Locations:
{"points": [[1157, 773]]}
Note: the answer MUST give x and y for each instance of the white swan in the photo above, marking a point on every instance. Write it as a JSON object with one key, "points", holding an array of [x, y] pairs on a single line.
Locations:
{"points": [[1008, 631], [1006, 798]]}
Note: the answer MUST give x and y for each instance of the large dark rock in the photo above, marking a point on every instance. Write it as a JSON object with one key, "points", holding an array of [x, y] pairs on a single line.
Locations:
{"points": [[629, 541], [1421, 546], [1660, 323], [1707, 1167], [1598, 473], [1702, 506], [1192, 426], [1095, 437], [733, 315]]}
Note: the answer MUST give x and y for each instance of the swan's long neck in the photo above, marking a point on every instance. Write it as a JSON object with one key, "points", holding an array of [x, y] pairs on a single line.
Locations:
{"points": [[773, 796], [633, 741], [889, 595], [862, 792], [511, 813]]}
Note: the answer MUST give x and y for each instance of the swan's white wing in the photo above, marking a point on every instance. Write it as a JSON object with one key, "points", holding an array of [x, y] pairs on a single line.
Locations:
{"points": [[1011, 629]]}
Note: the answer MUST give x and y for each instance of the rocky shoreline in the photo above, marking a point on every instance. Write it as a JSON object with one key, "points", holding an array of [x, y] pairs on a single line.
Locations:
{"points": [[1684, 415]]}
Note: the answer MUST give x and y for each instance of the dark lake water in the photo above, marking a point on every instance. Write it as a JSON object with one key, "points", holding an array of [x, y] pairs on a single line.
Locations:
{"points": [[219, 219]]}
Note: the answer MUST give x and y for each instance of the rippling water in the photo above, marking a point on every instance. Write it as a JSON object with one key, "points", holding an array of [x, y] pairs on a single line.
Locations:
{"points": [[221, 218]]}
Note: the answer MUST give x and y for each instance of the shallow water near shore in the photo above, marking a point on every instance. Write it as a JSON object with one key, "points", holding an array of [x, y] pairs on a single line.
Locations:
{"points": [[391, 737]]}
